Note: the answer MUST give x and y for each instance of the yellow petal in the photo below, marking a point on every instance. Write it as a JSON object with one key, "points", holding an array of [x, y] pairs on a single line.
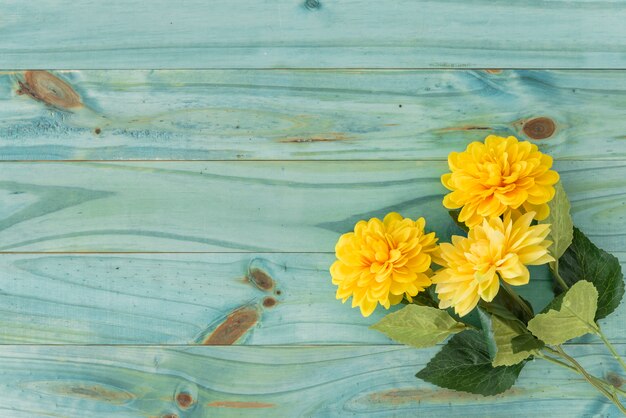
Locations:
{"points": [[367, 307], [520, 280], [392, 217]]}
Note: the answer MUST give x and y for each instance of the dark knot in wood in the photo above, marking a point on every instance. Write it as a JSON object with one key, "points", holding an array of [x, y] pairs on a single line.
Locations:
{"points": [[49, 89], [312, 4], [269, 302], [235, 326], [539, 128], [261, 279], [184, 400]]}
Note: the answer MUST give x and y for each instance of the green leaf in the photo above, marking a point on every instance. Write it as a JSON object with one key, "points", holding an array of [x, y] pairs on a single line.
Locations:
{"points": [[418, 326], [574, 318], [554, 304], [505, 302], [560, 220], [497, 309], [500, 333], [454, 214], [429, 298], [584, 261], [464, 364], [526, 342], [424, 298]]}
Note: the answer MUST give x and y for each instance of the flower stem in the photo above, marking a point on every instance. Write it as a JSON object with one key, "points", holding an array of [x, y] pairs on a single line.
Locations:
{"points": [[554, 266], [609, 392], [606, 342], [575, 370]]}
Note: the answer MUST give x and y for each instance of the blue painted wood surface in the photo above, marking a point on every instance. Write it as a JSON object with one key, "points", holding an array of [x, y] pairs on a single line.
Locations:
{"points": [[370, 381], [312, 34], [251, 206], [185, 298], [165, 254], [306, 115]]}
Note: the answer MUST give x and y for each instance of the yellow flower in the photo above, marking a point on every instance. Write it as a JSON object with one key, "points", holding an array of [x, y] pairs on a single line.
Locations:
{"points": [[382, 261], [498, 247], [489, 178]]}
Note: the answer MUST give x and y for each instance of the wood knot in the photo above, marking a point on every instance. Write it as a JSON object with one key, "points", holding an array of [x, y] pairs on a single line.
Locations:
{"points": [[312, 4], [269, 302], [235, 326], [97, 131], [261, 279], [184, 400], [49, 89], [614, 379], [539, 128]]}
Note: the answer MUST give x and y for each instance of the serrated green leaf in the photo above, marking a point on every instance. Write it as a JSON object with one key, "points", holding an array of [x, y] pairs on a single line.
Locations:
{"points": [[419, 326], [560, 220], [574, 318], [584, 261], [500, 332], [464, 364]]}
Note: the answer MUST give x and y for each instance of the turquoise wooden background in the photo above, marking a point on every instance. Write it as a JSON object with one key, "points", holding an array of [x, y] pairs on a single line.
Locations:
{"points": [[173, 181]]}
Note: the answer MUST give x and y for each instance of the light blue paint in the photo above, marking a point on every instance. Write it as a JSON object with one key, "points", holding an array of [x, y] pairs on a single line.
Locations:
{"points": [[368, 381], [337, 34], [311, 115], [253, 206]]}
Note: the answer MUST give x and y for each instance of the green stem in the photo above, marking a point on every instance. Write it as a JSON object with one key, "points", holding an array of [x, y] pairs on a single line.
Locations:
{"points": [[608, 385], [609, 393], [606, 342], [519, 300], [554, 266], [556, 361]]}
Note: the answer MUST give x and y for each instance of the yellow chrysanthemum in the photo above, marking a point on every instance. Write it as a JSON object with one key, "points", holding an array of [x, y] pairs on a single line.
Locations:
{"points": [[383, 261], [497, 249], [489, 178]]}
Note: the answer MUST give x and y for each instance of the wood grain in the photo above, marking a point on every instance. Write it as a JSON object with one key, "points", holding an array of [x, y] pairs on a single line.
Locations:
{"points": [[251, 206], [197, 299], [117, 34], [306, 115], [301, 84], [43, 381]]}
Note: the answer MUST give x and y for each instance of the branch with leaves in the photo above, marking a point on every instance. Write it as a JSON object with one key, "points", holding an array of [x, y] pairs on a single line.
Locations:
{"points": [[514, 212], [589, 286]]}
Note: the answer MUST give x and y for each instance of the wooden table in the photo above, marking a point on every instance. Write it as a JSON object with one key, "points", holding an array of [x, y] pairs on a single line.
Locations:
{"points": [[174, 177]]}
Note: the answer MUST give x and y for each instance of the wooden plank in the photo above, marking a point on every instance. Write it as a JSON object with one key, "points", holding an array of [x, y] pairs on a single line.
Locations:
{"points": [[187, 299], [372, 381], [306, 115], [250, 206], [313, 33]]}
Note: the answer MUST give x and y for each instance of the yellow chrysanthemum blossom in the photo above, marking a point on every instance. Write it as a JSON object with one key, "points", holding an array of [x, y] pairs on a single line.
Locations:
{"points": [[489, 178], [383, 261], [497, 249]]}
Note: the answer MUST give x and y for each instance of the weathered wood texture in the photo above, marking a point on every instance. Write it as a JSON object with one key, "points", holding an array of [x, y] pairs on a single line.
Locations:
{"points": [[312, 33], [43, 381], [306, 115], [265, 230], [251, 206], [219, 299]]}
